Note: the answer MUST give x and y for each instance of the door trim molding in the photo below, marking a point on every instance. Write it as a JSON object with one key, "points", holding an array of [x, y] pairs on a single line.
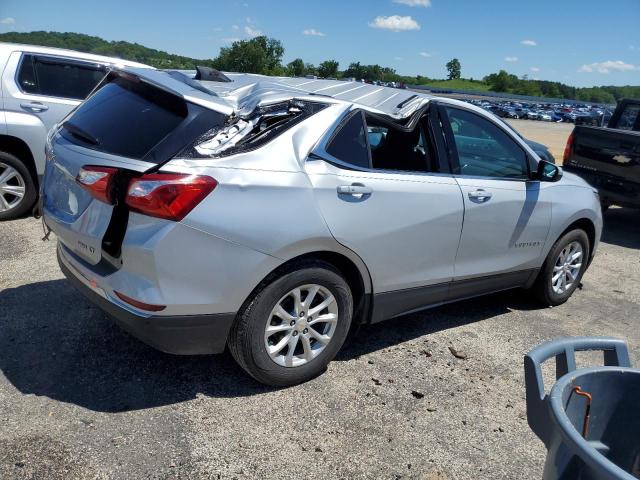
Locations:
{"points": [[388, 305]]}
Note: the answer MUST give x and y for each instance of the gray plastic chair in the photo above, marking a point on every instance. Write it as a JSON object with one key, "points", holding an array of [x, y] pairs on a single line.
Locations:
{"points": [[607, 444]]}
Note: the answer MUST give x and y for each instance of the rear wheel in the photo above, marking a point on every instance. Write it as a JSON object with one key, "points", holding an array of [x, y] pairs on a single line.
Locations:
{"points": [[17, 188], [563, 269], [290, 330]]}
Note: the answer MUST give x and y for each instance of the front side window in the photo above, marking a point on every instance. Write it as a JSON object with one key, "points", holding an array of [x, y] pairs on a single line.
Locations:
{"points": [[56, 77], [349, 144], [484, 149]]}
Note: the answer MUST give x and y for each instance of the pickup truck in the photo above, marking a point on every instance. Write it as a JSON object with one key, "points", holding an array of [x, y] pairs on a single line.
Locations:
{"points": [[609, 157]]}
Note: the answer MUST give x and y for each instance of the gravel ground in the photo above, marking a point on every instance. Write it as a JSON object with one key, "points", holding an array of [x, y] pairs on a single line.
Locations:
{"points": [[81, 399]]}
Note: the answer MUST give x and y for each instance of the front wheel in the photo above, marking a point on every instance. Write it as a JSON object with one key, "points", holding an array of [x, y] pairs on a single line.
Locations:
{"points": [[563, 269], [290, 329]]}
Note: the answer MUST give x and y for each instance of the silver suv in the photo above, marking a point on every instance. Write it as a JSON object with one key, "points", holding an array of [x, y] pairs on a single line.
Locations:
{"points": [[272, 215], [39, 87]]}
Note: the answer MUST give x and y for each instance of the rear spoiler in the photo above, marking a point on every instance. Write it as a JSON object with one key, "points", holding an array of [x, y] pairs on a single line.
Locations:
{"points": [[210, 74], [165, 81]]}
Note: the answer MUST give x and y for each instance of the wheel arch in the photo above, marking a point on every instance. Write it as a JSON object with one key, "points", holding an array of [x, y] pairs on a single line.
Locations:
{"points": [[19, 148], [354, 271], [588, 227]]}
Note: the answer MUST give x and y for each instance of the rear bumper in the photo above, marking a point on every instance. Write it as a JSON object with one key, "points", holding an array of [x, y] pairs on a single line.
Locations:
{"points": [[178, 335], [611, 190]]}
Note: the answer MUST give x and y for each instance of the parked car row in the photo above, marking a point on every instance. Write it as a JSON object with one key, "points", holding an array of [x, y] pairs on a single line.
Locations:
{"points": [[379, 83], [581, 114]]}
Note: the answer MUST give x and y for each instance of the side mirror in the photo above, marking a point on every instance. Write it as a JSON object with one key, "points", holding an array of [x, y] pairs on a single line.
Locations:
{"points": [[548, 172]]}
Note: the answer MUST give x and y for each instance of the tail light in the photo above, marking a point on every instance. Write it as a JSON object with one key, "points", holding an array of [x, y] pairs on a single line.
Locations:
{"points": [[567, 149], [138, 304], [97, 181], [168, 195]]}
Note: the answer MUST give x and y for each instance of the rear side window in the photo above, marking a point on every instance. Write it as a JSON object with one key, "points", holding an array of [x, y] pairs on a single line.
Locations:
{"points": [[395, 149], [27, 76], [126, 118], [629, 117], [349, 144], [60, 78]]}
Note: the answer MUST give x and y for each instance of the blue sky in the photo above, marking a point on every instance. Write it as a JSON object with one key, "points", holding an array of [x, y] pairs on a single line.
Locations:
{"points": [[579, 42]]}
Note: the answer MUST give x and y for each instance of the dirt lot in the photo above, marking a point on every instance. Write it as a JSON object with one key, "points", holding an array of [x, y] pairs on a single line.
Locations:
{"points": [[81, 399], [553, 135]]}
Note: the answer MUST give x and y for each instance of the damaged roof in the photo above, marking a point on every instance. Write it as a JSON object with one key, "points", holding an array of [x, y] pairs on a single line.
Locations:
{"points": [[245, 91], [387, 100]]}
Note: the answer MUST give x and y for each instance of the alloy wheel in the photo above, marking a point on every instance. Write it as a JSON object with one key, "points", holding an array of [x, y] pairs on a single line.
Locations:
{"points": [[12, 187], [301, 325], [567, 268]]}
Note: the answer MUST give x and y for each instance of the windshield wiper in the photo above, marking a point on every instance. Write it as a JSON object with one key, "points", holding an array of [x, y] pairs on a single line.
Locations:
{"points": [[80, 133]]}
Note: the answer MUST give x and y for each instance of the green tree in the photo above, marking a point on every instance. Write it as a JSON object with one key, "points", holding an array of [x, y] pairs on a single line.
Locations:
{"points": [[454, 68], [310, 69], [118, 49], [328, 68], [257, 55], [502, 81], [295, 68]]}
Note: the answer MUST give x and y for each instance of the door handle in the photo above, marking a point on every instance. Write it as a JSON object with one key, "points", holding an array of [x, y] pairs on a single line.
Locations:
{"points": [[35, 106], [354, 189], [480, 195]]}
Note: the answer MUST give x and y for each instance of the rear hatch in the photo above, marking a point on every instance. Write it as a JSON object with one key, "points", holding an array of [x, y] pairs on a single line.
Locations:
{"points": [[134, 122]]}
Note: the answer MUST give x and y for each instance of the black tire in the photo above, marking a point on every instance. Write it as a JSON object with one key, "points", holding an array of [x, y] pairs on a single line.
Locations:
{"points": [[31, 193], [246, 338], [542, 287]]}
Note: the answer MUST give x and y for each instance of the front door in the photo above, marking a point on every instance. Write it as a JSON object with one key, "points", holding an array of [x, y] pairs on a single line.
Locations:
{"points": [[507, 218]]}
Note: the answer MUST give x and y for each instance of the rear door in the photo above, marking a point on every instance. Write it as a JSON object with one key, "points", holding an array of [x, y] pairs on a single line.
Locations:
{"points": [[48, 87], [507, 217], [405, 225]]}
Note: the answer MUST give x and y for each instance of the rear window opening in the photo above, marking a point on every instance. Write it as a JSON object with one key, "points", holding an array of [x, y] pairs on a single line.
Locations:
{"points": [[248, 132], [133, 119]]}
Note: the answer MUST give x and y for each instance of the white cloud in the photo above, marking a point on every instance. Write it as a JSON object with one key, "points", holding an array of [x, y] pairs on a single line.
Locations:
{"points": [[8, 21], [230, 39], [395, 23], [399, 59], [510, 59], [607, 66], [529, 43], [235, 27], [425, 54], [534, 69], [414, 3], [252, 32], [313, 32]]}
